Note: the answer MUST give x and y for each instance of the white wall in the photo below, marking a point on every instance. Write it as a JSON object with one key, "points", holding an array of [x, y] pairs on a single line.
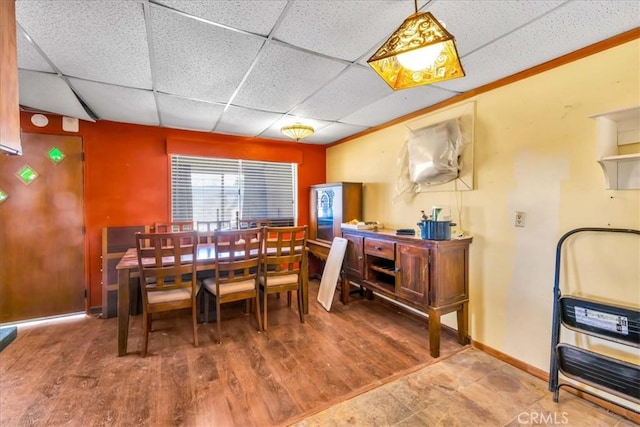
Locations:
{"points": [[534, 151]]}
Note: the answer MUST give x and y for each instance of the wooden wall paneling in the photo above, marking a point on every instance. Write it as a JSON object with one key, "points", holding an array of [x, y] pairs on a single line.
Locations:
{"points": [[115, 242]]}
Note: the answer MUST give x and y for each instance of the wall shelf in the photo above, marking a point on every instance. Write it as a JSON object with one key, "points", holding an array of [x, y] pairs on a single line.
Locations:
{"points": [[614, 129]]}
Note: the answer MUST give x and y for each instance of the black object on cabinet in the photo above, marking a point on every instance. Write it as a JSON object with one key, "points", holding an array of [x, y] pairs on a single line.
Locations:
{"points": [[600, 319]]}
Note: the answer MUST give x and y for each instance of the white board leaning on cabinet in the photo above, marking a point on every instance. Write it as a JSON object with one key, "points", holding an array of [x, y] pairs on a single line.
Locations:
{"points": [[331, 272]]}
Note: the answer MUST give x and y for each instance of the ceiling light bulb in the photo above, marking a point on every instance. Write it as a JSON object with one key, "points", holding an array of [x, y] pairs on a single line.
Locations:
{"points": [[420, 59]]}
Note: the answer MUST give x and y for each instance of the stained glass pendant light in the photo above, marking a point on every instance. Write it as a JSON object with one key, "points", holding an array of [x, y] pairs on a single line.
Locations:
{"points": [[420, 52], [297, 131]]}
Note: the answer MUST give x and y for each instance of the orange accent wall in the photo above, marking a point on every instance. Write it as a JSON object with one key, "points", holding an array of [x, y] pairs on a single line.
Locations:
{"points": [[126, 174]]}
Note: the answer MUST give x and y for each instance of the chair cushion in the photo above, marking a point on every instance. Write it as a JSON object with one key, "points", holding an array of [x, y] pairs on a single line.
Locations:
{"points": [[229, 288], [168, 296], [287, 279]]}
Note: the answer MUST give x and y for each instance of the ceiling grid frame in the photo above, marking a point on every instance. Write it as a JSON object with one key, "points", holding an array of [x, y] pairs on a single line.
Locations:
{"points": [[252, 18]]}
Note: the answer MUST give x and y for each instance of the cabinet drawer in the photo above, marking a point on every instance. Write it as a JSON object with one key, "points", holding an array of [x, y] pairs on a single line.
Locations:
{"points": [[379, 248]]}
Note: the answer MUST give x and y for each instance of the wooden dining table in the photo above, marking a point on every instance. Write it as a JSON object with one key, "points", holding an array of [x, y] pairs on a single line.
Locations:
{"points": [[128, 267]]}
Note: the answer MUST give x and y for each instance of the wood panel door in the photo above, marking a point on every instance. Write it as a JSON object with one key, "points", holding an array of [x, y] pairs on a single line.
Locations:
{"points": [[41, 229], [413, 273]]}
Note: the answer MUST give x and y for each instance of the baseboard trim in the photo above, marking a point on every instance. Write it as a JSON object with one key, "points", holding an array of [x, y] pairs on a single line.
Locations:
{"points": [[539, 373]]}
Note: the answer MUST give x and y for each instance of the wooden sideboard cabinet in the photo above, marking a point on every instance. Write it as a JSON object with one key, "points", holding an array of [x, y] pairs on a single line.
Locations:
{"points": [[430, 276], [330, 205]]}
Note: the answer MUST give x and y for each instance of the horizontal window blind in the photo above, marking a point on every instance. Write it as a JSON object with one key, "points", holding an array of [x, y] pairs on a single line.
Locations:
{"points": [[212, 189]]}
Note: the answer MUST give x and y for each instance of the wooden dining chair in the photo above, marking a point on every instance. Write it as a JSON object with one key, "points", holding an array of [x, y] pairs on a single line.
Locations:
{"points": [[284, 257], [253, 223], [237, 268], [213, 225], [166, 262], [173, 227]]}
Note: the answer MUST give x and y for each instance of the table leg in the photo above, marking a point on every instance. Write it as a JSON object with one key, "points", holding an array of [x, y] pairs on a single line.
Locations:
{"points": [[434, 333], [123, 310], [344, 290], [305, 286]]}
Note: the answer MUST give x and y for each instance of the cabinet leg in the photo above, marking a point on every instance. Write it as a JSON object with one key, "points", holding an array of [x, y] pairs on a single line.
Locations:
{"points": [[434, 333], [344, 295], [463, 324]]}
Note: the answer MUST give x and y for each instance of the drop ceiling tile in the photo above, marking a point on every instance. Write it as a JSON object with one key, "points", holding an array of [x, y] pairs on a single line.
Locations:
{"points": [[48, 92], [117, 103], [197, 60], [101, 41], [350, 91], [334, 132], [29, 58], [398, 104], [475, 23], [182, 113], [343, 29], [283, 77], [244, 121], [255, 16], [569, 28]]}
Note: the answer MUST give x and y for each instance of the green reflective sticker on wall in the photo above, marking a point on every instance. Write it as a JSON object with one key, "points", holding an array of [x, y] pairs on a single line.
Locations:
{"points": [[26, 174], [56, 155], [3, 195]]}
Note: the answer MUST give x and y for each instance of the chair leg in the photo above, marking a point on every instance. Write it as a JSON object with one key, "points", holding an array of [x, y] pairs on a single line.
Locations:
{"points": [[264, 309], [145, 330], [258, 316], [218, 320], [300, 310], [288, 298], [194, 320]]}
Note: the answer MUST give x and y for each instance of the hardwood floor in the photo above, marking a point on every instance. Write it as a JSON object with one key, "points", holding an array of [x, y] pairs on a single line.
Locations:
{"points": [[69, 373]]}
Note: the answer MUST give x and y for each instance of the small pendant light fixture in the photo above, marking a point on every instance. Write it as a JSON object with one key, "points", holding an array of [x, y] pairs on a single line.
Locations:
{"points": [[418, 53], [297, 131]]}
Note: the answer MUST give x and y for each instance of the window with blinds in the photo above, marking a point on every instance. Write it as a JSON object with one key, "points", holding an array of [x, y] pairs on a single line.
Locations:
{"points": [[211, 189]]}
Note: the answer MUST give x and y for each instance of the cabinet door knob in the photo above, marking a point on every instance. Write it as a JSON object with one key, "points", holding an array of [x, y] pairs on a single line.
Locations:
{"points": [[360, 257], [377, 248]]}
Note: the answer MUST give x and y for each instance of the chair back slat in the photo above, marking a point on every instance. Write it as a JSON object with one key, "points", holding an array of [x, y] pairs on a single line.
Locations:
{"points": [[284, 249], [173, 227], [213, 225], [238, 254], [167, 261], [253, 223]]}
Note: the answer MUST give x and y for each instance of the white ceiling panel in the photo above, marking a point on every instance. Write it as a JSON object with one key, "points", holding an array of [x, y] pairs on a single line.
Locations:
{"points": [[476, 23], [182, 113], [283, 77], [29, 58], [247, 67], [398, 104], [334, 132], [50, 93], [246, 122], [101, 41], [352, 90], [535, 43], [254, 16], [118, 104], [342, 29], [198, 60]]}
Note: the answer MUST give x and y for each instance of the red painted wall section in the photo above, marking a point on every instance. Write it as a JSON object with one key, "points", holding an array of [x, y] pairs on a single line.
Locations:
{"points": [[127, 172]]}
